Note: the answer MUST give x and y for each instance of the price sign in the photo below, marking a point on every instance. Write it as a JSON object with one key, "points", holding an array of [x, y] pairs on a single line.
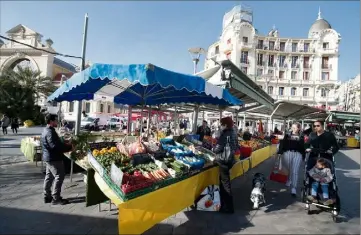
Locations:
{"points": [[95, 164], [116, 175]]}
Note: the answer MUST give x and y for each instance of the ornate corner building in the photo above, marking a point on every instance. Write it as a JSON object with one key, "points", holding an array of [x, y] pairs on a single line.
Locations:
{"points": [[13, 54], [302, 70]]}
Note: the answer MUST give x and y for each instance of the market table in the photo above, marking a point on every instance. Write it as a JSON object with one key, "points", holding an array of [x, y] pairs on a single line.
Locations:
{"points": [[30, 149], [141, 213]]}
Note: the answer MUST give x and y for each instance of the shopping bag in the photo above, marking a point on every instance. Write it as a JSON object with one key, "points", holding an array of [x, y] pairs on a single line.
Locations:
{"points": [[225, 157], [209, 200], [279, 173]]}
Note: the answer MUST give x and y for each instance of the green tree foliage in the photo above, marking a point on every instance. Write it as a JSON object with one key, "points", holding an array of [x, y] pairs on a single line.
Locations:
{"points": [[20, 90]]}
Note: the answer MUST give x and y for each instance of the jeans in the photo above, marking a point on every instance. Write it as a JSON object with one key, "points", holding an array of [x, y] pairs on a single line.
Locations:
{"points": [[55, 172], [324, 188]]}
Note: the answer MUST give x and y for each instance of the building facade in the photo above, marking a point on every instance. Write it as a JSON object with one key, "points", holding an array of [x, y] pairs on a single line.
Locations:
{"points": [[13, 54], [349, 95], [302, 70]]}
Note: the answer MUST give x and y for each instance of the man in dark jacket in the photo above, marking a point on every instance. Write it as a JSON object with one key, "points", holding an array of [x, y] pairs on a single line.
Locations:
{"points": [[53, 154], [203, 130], [323, 140]]}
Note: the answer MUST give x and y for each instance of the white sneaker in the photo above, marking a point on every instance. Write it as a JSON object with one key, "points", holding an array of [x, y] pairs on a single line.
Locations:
{"points": [[288, 183], [293, 191]]}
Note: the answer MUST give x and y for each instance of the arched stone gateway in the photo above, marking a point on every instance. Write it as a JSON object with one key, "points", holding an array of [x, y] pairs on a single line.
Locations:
{"points": [[23, 63], [20, 59]]}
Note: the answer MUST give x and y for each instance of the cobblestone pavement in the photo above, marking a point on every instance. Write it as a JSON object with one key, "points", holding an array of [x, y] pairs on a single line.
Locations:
{"points": [[22, 210]]}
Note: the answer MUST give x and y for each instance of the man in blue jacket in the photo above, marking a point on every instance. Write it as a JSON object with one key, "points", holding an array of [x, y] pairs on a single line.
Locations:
{"points": [[53, 155]]}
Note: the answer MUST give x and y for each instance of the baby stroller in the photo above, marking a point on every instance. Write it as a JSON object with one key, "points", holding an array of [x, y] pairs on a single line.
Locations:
{"points": [[333, 189]]}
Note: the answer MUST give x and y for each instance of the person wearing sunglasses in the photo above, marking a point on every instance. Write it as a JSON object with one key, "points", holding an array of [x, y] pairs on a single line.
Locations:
{"points": [[323, 140]]}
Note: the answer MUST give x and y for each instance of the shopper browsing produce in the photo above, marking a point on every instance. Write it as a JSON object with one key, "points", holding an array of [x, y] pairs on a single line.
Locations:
{"points": [[228, 138], [53, 154]]}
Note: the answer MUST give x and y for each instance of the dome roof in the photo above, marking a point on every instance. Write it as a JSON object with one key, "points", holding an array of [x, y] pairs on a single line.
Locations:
{"points": [[319, 25]]}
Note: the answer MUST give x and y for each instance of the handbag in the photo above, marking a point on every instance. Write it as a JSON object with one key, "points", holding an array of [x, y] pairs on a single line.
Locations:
{"points": [[279, 174], [225, 157]]}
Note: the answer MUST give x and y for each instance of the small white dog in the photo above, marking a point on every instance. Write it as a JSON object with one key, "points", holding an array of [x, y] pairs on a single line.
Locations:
{"points": [[259, 188]]}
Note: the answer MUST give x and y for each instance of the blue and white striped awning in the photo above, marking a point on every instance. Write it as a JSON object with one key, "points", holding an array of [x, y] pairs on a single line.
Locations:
{"points": [[140, 84]]}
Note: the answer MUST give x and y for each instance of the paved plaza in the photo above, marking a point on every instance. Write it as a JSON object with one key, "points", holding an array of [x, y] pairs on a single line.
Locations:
{"points": [[22, 210]]}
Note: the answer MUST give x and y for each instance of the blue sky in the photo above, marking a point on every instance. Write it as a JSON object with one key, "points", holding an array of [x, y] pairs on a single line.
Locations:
{"points": [[161, 32]]}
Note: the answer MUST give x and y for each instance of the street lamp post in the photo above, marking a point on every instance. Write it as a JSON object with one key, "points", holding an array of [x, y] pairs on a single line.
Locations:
{"points": [[195, 54]]}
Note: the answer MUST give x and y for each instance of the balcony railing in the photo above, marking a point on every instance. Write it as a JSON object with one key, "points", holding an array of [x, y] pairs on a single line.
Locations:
{"points": [[295, 80], [259, 46], [306, 66], [261, 64], [246, 44], [326, 66], [213, 54], [244, 61], [295, 66], [306, 80], [329, 50], [271, 64]]}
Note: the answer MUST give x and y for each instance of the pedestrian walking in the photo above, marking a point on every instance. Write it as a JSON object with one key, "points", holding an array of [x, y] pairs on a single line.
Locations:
{"points": [[53, 155], [5, 122], [15, 125], [293, 148]]}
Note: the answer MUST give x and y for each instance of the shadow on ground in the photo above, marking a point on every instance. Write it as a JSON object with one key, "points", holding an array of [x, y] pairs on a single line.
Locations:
{"points": [[39, 222], [2, 139], [9, 146]]}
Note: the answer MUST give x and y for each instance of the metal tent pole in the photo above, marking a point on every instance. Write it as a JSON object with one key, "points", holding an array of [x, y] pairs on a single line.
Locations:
{"points": [[79, 106]]}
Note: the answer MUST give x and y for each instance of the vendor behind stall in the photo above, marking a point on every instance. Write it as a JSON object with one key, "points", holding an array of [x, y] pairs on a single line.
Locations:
{"points": [[203, 130]]}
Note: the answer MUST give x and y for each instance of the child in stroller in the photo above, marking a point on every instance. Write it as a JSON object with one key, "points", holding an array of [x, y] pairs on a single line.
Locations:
{"points": [[332, 202], [322, 175]]}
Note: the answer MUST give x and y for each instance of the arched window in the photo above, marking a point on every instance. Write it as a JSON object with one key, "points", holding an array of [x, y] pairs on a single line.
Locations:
{"points": [[270, 90], [293, 91]]}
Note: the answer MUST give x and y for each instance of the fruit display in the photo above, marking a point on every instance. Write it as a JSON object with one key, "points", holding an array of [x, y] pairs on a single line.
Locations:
{"points": [[209, 142], [255, 144]]}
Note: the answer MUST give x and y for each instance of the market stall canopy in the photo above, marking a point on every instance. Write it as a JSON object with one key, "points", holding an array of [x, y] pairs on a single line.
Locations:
{"points": [[340, 116], [284, 110], [140, 84], [228, 75]]}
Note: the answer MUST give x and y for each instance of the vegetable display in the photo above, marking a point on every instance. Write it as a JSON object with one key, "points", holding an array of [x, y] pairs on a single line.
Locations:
{"points": [[147, 165]]}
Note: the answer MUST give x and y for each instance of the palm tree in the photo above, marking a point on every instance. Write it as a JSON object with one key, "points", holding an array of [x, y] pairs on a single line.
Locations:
{"points": [[30, 79], [20, 89]]}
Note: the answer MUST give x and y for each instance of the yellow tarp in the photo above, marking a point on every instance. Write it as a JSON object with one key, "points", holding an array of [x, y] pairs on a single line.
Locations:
{"points": [[142, 213]]}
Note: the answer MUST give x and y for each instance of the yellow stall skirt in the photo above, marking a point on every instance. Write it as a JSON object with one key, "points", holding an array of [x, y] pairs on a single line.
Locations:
{"points": [[142, 213], [352, 142]]}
